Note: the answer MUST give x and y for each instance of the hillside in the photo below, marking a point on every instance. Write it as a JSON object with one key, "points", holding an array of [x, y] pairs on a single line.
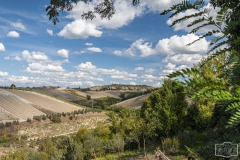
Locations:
{"points": [[45, 102], [13, 107], [61, 94], [123, 87], [133, 102], [97, 94]]}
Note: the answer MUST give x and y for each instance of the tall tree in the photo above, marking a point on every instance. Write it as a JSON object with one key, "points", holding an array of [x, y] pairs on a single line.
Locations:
{"points": [[167, 105]]}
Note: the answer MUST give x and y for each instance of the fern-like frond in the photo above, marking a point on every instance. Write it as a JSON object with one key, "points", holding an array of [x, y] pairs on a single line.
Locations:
{"points": [[199, 20], [218, 45], [186, 18], [201, 37], [216, 39]]}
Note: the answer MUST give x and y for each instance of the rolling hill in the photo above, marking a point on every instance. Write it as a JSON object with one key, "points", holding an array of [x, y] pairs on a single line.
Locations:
{"points": [[21, 105], [133, 102]]}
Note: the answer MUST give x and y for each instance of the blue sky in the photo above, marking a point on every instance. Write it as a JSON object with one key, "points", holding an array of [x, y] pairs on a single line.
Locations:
{"points": [[137, 46]]}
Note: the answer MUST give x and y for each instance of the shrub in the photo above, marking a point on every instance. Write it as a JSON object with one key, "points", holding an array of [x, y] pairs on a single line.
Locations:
{"points": [[1, 125], [44, 117], [37, 118], [170, 145], [70, 117], [64, 114], [8, 124], [29, 120], [56, 119], [15, 122], [59, 114]]}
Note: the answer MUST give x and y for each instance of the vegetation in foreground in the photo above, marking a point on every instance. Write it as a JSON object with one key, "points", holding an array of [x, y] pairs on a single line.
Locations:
{"points": [[166, 120]]}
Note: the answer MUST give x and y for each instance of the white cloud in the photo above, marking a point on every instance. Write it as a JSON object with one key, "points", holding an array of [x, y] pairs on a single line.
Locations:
{"points": [[158, 84], [177, 45], [139, 69], [170, 66], [2, 48], [118, 53], [89, 83], [132, 83], [63, 53], [3, 74], [168, 46], [86, 66], [186, 59], [113, 73], [183, 25], [50, 32], [17, 58], [79, 52], [158, 6], [21, 79], [88, 44], [34, 56], [79, 29], [40, 68], [18, 25], [13, 34], [7, 58], [149, 70], [137, 47], [76, 83], [94, 49]]}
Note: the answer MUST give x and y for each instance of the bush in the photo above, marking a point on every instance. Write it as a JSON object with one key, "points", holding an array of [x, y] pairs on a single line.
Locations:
{"points": [[56, 119], [29, 120], [8, 124], [70, 117], [64, 114], [44, 117], [1, 125], [170, 145], [37, 118], [15, 122]]}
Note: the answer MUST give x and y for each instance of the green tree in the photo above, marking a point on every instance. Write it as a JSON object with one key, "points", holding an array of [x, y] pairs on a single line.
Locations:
{"points": [[36, 155], [13, 156], [92, 144], [74, 151], [48, 147], [167, 105], [88, 97], [13, 86]]}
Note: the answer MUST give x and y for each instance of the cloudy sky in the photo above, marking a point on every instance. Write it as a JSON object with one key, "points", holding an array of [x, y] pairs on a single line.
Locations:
{"points": [[137, 46]]}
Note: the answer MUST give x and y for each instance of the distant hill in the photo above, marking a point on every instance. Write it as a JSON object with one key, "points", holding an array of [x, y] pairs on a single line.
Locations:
{"points": [[135, 102], [123, 87], [61, 94], [21, 105]]}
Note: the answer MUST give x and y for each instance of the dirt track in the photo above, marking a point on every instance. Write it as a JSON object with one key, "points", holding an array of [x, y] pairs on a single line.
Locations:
{"points": [[100, 94], [133, 102]]}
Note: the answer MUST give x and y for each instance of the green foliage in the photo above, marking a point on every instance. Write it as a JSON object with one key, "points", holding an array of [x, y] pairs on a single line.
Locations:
{"points": [[170, 145], [102, 131], [80, 135], [56, 119], [122, 95], [92, 144], [13, 86], [48, 147], [167, 105], [88, 97], [74, 151], [13, 156], [36, 155]]}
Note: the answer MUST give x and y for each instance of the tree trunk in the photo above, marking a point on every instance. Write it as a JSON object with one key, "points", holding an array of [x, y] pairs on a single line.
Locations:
{"points": [[144, 146], [94, 153]]}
